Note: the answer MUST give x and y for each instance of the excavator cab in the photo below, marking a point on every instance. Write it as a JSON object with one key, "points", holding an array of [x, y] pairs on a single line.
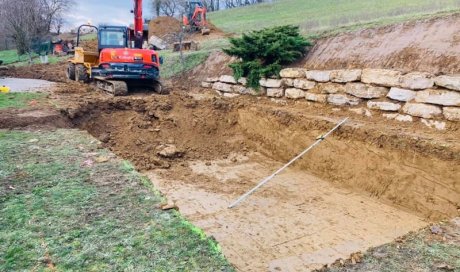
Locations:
{"points": [[119, 59], [116, 62], [112, 37]]}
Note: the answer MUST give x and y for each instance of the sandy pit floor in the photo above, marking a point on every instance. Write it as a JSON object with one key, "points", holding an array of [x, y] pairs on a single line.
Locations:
{"points": [[297, 222]]}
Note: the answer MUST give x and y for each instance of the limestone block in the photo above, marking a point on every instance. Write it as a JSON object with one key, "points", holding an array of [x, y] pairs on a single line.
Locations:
{"points": [[342, 100], [231, 95], [344, 76], [243, 81], [421, 110], [451, 113], [271, 83], [321, 98], [292, 73], [249, 91], [384, 106], [331, 88], [382, 77], [417, 81], [294, 93], [304, 84], [223, 87], [401, 94], [365, 91], [319, 75], [449, 82], [404, 118], [275, 92], [438, 97], [227, 79]]}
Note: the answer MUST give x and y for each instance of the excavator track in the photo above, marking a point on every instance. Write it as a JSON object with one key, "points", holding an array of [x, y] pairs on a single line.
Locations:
{"points": [[113, 87], [159, 88]]}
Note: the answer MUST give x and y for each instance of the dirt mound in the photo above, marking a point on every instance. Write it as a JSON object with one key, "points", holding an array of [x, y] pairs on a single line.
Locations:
{"points": [[163, 26], [140, 129], [89, 45], [51, 72], [430, 45]]}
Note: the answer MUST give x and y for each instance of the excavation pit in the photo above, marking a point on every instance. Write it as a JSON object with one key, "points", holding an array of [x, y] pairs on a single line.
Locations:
{"points": [[364, 186]]}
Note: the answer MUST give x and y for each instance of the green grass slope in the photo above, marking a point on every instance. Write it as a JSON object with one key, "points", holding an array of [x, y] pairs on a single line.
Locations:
{"points": [[315, 16], [66, 205]]}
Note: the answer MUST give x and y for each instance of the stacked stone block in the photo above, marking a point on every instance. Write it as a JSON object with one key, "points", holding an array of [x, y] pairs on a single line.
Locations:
{"points": [[398, 96]]}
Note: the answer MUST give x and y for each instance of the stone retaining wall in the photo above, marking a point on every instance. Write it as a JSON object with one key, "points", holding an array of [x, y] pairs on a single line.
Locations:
{"points": [[398, 96]]}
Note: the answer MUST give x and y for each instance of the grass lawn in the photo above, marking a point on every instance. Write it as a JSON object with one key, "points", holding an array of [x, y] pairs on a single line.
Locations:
{"points": [[12, 57], [315, 16], [19, 100], [172, 62], [418, 251], [66, 205]]}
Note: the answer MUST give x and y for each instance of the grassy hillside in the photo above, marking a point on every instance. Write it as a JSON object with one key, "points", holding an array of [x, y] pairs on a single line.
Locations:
{"points": [[327, 15]]}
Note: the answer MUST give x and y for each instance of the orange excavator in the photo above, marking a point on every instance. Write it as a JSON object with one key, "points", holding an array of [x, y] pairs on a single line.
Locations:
{"points": [[119, 60], [195, 17]]}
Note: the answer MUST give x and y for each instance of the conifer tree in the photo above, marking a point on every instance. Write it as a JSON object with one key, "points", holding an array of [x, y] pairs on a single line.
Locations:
{"points": [[263, 53]]}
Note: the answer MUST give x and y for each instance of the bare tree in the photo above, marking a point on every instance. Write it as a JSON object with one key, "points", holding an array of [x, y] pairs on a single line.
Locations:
{"points": [[29, 21], [170, 7], [176, 7], [53, 11], [157, 7]]}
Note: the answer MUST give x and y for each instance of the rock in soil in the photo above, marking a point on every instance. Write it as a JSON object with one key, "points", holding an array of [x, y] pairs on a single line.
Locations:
{"points": [[170, 151]]}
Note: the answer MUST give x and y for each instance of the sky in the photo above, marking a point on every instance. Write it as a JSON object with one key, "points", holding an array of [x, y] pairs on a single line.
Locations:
{"points": [[115, 12]]}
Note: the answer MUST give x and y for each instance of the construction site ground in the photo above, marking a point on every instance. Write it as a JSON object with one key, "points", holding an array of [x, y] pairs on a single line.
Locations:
{"points": [[366, 185], [369, 198]]}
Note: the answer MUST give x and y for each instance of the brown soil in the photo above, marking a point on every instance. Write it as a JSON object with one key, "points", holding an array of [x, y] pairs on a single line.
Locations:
{"points": [[33, 119], [365, 185], [430, 45], [368, 155], [163, 26], [50, 72], [89, 45]]}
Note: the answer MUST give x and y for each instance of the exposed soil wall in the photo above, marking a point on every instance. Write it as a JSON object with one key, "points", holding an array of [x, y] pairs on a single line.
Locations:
{"points": [[392, 166], [431, 45]]}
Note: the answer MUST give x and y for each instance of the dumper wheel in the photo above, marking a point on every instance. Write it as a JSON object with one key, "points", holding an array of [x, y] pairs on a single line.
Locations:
{"points": [[70, 72], [81, 73]]}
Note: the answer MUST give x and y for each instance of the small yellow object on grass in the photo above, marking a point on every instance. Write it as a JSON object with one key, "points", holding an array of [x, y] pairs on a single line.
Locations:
{"points": [[4, 89]]}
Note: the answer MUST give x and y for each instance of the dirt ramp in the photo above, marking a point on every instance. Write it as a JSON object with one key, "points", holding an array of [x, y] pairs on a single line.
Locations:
{"points": [[431, 45]]}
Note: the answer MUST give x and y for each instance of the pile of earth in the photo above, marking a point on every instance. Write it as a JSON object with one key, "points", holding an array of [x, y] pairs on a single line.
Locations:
{"points": [[164, 26], [89, 45], [155, 131], [51, 72]]}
